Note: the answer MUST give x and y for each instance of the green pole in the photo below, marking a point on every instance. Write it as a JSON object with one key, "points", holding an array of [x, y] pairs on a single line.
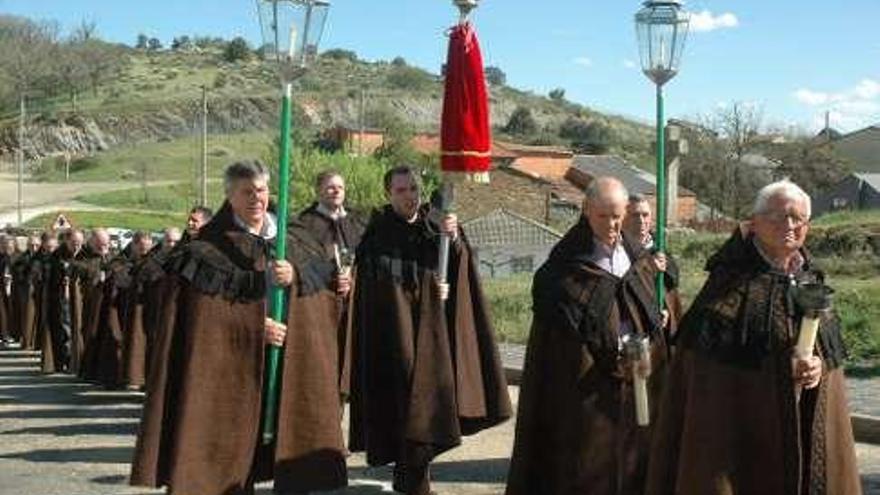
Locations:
{"points": [[660, 241], [277, 307]]}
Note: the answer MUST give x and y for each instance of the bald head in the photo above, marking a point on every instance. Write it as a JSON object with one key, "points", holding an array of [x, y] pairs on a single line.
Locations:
{"points": [[171, 237], [605, 208], [100, 242]]}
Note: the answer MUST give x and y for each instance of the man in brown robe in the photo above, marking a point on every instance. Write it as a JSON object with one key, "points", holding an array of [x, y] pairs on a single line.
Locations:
{"points": [[46, 300], [93, 279], [150, 279], [24, 296], [8, 325], [425, 371], [199, 216], [200, 431], [131, 313], [338, 230], [638, 224], [65, 311], [577, 430], [743, 414]]}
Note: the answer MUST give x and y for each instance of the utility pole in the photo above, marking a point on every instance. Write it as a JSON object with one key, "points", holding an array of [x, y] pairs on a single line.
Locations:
{"points": [[21, 117], [203, 197], [362, 119]]}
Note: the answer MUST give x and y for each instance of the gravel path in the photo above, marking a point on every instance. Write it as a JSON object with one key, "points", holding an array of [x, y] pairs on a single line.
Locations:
{"points": [[62, 437]]}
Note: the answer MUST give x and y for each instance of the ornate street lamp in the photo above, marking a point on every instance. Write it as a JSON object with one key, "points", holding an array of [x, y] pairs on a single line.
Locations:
{"points": [[661, 27], [291, 31]]}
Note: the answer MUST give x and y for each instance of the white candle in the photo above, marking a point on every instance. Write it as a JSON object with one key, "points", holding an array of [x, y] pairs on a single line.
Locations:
{"points": [[640, 389], [807, 337], [291, 50], [337, 257], [638, 351]]}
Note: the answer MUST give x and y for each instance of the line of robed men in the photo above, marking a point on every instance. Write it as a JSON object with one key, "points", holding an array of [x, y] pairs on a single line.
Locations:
{"points": [[81, 304], [729, 414]]}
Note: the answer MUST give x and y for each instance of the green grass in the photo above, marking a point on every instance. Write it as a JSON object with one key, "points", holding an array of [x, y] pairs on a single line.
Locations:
{"points": [[363, 177], [866, 217], [857, 301], [173, 198], [179, 159], [510, 302], [131, 220]]}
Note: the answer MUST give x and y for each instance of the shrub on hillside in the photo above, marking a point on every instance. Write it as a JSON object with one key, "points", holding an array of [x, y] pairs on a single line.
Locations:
{"points": [[237, 49], [521, 122], [839, 241], [340, 54], [409, 78]]}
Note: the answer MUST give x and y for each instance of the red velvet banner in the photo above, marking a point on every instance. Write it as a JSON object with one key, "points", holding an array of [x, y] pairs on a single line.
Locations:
{"points": [[465, 136]]}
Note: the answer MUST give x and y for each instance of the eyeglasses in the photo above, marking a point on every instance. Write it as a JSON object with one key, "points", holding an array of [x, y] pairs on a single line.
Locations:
{"points": [[794, 219]]}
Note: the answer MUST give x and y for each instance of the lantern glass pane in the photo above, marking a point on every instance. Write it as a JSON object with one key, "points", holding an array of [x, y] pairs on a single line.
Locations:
{"points": [[292, 30], [661, 28]]}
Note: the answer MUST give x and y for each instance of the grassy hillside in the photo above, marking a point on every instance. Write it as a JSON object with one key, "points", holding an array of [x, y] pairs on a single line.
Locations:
{"points": [[156, 89], [179, 159]]}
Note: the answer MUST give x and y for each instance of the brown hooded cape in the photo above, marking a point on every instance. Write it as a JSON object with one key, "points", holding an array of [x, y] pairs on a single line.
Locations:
{"points": [[64, 312], [94, 278], [730, 423], [8, 324], [423, 372], [200, 427], [24, 299], [108, 365], [576, 430], [346, 233]]}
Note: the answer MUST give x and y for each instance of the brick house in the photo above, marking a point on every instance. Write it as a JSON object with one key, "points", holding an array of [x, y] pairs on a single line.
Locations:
{"points": [[352, 141]]}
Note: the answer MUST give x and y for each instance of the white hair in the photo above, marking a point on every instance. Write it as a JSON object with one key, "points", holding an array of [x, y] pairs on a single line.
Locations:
{"points": [[784, 189], [601, 186]]}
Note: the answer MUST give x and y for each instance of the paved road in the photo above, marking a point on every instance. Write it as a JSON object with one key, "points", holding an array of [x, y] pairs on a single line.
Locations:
{"points": [[45, 197], [62, 437]]}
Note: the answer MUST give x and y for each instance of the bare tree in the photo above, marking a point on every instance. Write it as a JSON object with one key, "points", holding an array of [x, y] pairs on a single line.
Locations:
{"points": [[27, 54], [100, 61], [86, 31], [71, 71], [727, 162]]}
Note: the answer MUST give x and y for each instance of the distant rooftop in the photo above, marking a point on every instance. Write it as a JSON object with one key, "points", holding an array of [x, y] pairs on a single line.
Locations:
{"points": [[503, 228], [637, 181]]}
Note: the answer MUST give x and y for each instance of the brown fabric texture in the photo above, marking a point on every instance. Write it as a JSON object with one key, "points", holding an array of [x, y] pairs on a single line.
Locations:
{"points": [[24, 300], [46, 302], [423, 372], [111, 335], [135, 341], [730, 423], [576, 429], [93, 281], [345, 233], [310, 452], [200, 427], [7, 316], [65, 310]]}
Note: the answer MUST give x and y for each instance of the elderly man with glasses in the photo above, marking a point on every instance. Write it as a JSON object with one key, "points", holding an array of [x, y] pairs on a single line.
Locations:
{"points": [[744, 412]]}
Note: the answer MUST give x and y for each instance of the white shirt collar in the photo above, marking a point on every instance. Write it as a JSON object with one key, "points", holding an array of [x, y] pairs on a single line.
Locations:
{"points": [[333, 215], [269, 230]]}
